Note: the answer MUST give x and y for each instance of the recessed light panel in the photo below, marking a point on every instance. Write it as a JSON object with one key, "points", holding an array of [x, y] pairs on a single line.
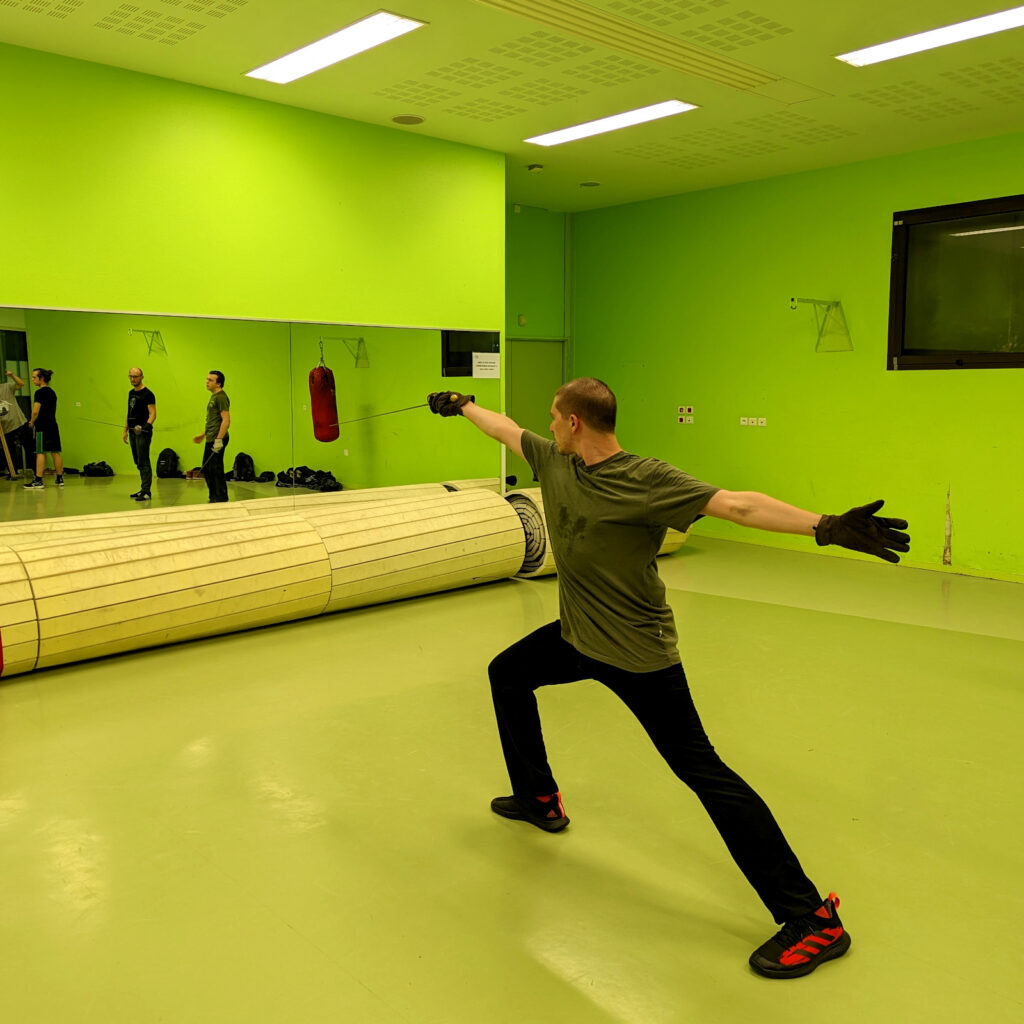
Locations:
{"points": [[985, 26], [612, 123], [378, 28]]}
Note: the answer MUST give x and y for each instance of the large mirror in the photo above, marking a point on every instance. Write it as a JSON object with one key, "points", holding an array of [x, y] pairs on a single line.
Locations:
{"points": [[382, 375]]}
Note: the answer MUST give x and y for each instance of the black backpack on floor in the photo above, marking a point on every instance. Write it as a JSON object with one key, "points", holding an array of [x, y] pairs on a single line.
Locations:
{"points": [[244, 468], [167, 465]]}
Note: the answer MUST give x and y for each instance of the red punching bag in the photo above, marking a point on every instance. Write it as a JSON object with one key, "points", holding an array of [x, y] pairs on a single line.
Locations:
{"points": [[323, 404]]}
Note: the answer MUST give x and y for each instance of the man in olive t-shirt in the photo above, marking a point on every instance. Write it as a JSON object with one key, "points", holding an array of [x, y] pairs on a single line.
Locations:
{"points": [[607, 512], [218, 420]]}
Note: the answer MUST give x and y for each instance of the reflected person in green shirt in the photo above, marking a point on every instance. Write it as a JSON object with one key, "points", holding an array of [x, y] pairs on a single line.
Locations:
{"points": [[218, 420]]}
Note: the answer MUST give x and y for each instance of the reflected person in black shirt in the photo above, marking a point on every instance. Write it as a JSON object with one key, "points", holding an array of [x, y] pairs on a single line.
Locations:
{"points": [[138, 431], [44, 423]]}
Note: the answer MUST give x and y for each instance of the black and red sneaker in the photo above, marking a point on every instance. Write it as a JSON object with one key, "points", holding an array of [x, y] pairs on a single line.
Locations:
{"points": [[545, 812], [803, 943]]}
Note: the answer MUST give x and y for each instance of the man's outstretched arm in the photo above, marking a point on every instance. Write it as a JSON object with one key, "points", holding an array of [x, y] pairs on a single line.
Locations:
{"points": [[493, 424], [859, 529]]}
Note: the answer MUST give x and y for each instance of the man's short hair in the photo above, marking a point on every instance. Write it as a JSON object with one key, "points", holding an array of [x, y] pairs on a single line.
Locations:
{"points": [[219, 376], [591, 400]]}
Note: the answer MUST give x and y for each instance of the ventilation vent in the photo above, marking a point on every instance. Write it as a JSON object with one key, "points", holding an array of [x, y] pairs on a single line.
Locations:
{"points": [[792, 127], [744, 28], [612, 71], [420, 94], [154, 26], [214, 8], [672, 155], [476, 73], [756, 136], [915, 101], [627, 37], [542, 49], [485, 110], [543, 92], [662, 13], [1001, 80], [58, 9]]}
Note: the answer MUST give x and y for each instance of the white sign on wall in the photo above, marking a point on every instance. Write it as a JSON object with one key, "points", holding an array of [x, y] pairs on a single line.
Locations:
{"points": [[486, 364]]}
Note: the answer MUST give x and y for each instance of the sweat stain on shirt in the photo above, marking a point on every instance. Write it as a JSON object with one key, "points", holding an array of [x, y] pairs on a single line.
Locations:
{"points": [[569, 530]]}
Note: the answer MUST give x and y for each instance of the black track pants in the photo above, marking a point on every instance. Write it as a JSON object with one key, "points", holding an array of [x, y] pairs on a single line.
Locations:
{"points": [[213, 471], [662, 704]]}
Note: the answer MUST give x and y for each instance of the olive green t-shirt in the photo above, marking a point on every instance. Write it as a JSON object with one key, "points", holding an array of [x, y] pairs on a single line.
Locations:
{"points": [[217, 402], [606, 523]]}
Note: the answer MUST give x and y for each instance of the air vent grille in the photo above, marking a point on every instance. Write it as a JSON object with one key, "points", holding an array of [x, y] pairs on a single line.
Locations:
{"points": [[745, 28], [543, 92], [916, 101], [58, 9], [660, 13], [473, 72], [418, 93], [628, 37], [485, 110], [542, 49], [612, 71], [129, 20]]}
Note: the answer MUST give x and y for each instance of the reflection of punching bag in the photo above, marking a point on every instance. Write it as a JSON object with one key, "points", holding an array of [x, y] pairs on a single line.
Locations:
{"points": [[323, 404]]}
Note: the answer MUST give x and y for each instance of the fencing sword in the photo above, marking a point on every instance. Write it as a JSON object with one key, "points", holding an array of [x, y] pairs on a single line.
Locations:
{"points": [[373, 416]]}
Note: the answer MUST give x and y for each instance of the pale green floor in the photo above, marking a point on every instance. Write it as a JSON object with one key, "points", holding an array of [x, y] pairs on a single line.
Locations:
{"points": [[292, 824]]}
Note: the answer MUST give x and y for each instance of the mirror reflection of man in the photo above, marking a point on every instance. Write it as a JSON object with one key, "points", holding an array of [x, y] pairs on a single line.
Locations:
{"points": [[138, 431], [12, 422], [218, 419]]}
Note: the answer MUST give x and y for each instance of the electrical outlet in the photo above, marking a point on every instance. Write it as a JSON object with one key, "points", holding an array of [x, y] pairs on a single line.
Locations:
{"points": [[682, 419], [762, 421], [682, 409], [743, 421], [689, 419], [751, 421], [689, 409]]}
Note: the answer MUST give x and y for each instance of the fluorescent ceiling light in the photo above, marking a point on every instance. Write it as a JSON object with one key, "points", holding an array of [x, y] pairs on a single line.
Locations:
{"points": [[986, 231], [972, 29], [363, 35], [613, 123]]}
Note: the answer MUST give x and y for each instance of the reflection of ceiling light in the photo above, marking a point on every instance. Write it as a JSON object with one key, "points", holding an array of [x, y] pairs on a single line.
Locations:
{"points": [[972, 29], [986, 231], [363, 35], [613, 123]]}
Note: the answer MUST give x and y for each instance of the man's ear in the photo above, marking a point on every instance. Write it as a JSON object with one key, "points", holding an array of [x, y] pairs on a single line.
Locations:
{"points": [[574, 422]]}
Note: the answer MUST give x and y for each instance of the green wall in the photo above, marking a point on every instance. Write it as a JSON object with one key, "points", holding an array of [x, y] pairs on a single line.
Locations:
{"points": [[128, 192], [534, 272], [685, 300]]}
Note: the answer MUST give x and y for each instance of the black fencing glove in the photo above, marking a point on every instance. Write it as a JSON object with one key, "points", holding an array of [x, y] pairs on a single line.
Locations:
{"points": [[861, 530], [448, 403]]}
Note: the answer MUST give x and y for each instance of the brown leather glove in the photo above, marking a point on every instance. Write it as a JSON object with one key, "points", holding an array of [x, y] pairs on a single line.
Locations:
{"points": [[861, 530], [448, 403]]}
